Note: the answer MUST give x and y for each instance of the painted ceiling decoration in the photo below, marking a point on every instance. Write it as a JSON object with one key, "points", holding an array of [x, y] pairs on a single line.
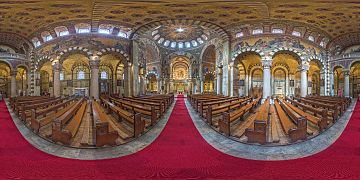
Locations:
{"points": [[26, 17]]}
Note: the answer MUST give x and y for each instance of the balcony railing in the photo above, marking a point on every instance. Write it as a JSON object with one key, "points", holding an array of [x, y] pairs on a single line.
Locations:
{"points": [[347, 56], [12, 56]]}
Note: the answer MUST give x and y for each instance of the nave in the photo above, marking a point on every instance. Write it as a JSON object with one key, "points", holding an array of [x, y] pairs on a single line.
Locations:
{"points": [[179, 152]]}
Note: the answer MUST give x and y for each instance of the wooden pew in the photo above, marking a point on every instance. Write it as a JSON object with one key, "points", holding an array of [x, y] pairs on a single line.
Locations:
{"points": [[327, 101], [137, 108], [225, 107], [256, 133], [104, 131], [134, 119], [49, 113], [26, 109], [321, 122], [74, 115], [204, 105], [333, 109], [229, 117], [19, 102], [287, 118], [158, 105]]}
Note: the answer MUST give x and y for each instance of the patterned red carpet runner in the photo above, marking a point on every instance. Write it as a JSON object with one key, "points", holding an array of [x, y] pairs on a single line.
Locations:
{"points": [[179, 152]]}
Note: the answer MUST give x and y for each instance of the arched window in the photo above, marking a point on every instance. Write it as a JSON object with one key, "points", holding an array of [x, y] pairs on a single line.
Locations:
{"points": [[204, 37], [46, 36], [200, 40], [122, 34], [296, 33], [311, 38], [36, 42], [277, 31], [82, 28], [181, 45], [166, 43], [239, 34], [161, 40], [173, 44], [62, 76], [187, 44], [257, 31], [61, 31], [194, 43], [81, 75], [103, 75]]}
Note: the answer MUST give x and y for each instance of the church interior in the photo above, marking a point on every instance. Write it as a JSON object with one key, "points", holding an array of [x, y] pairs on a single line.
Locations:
{"points": [[117, 89]]}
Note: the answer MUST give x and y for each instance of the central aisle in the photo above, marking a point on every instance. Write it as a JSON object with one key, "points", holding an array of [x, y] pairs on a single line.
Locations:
{"points": [[179, 152]]}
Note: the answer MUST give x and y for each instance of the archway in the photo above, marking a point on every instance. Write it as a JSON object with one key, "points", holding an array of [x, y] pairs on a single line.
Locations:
{"points": [[314, 77], [338, 81], [111, 73], [355, 79], [21, 81], [286, 74], [248, 77], [5, 79], [180, 75], [46, 77], [75, 75], [209, 85], [151, 83]]}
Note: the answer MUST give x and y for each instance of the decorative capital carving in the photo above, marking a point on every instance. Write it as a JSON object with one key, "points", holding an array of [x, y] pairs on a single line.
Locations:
{"points": [[304, 66], [94, 64], [346, 72], [266, 63], [56, 67]]}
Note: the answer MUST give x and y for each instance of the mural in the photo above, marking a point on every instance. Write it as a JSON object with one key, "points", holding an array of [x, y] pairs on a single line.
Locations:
{"points": [[86, 42], [277, 42], [352, 49]]}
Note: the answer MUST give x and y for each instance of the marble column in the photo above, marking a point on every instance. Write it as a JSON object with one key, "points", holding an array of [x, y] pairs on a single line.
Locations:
{"points": [[13, 83], [219, 80], [266, 78], [231, 79], [346, 83], [127, 79], [304, 80], [201, 85], [94, 82], [56, 81]]}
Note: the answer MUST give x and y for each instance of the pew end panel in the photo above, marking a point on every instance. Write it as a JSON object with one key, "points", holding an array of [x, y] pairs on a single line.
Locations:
{"points": [[258, 134], [103, 136], [224, 124], [60, 135], [298, 133], [139, 125]]}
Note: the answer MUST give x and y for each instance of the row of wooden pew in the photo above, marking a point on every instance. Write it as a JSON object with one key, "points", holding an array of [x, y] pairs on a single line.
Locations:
{"points": [[298, 118], [59, 119]]}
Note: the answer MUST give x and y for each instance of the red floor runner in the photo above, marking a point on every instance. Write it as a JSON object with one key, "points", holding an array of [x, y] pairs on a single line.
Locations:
{"points": [[178, 153]]}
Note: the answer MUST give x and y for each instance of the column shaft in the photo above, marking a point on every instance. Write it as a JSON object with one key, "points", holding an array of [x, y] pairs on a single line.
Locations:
{"points": [[303, 83], [13, 84], [94, 83], [346, 84]]}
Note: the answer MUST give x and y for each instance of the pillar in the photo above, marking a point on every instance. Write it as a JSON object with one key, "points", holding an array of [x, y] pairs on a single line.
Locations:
{"points": [[231, 79], [201, 85], [266, 78], [56, 81], [304, 80], [94, 82], [13, 83], [346, 83], [219, 80]]}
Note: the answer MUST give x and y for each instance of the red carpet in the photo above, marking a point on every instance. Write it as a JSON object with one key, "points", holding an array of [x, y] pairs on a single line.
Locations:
{"points": [[179, 153]]}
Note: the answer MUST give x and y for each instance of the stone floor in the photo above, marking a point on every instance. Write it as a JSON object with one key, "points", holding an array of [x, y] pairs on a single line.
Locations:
{"points": [[257, 152], [92, 154], [215, 139]]}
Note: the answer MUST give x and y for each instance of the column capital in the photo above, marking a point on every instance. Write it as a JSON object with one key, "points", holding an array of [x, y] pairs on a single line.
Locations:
{"points": [[94, 64], [56, 66], [304, 67], [13, 72], [346, 72], [266, 63]]}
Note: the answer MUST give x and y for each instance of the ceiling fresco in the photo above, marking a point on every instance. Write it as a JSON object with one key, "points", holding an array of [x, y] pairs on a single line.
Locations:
{"points": [[25, 17]]}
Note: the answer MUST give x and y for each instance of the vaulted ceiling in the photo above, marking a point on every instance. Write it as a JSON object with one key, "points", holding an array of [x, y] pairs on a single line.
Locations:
{"points": [[25, 17]]}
